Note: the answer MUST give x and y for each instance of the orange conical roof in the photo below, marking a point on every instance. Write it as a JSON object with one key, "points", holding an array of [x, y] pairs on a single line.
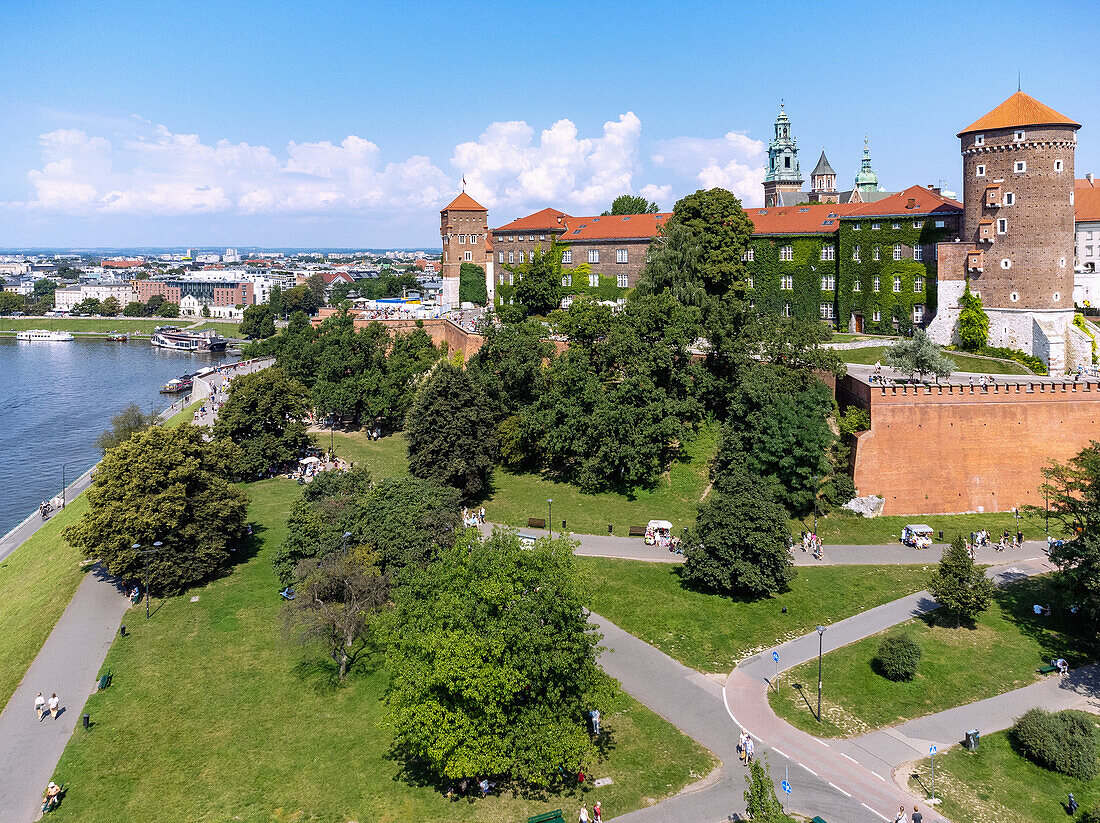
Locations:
{"points": [[1019, 110], [464, 203]]}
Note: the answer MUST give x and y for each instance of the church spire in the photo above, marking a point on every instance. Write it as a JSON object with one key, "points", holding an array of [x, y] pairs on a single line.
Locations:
{"points": [[783, 173], [867, 179]]}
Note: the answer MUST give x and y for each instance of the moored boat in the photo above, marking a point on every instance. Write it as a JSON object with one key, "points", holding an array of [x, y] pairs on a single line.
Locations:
{"points": [[190, 341], [118, 337], [43, 336], [177, 384]]}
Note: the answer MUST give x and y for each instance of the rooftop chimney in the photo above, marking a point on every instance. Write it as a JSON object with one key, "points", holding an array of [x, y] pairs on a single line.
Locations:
{"points": [[911, 203], [1089, 177]]}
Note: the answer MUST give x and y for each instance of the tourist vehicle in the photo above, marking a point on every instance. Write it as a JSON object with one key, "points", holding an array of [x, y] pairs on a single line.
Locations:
{"points": [[917, 535], [189, 341], [177, 384], [44, 336]]}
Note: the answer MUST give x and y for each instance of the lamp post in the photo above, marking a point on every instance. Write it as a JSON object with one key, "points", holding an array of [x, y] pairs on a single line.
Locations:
{"points": [[1016, 514], [815, 505], [63, 465], [550, 514], [1046, 512], [820, 641], [145, 553], [344, 544]]}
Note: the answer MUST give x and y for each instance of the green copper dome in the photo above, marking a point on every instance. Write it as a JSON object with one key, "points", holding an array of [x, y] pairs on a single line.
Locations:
{"points": [[866, 179]]}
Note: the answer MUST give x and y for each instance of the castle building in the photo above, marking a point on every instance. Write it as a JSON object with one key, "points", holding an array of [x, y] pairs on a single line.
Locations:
{"points": [[1017, 244], [783, 175], [464, 228], [823, 182]]}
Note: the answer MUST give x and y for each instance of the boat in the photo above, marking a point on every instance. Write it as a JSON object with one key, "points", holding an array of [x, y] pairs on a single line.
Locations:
{"points": [[118, 337], [190, 341], [43, 336], [177, 384]]}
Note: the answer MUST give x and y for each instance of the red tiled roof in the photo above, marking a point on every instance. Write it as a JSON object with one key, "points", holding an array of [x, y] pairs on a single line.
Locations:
{"points": [[544, 220], [1086, 200], [615, 227], [331, 277], [807, 218], [463, 203], [1019, 110], [925, 201]]}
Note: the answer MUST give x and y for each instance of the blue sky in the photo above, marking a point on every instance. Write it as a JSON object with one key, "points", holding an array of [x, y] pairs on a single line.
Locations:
{"points": [[352, 123]]}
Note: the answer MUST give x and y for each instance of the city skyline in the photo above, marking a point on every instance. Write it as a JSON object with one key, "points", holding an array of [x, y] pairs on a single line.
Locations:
{"points": [[352, 128]]}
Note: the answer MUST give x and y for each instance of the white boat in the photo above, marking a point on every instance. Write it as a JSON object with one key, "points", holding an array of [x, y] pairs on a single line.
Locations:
{"points": [[43, 336], [169, 337]]}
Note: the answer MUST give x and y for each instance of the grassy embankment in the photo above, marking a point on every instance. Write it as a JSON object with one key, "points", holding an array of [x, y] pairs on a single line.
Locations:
{"points": [[238, 723], [138, 326], [963, 362], [1000, 652]]}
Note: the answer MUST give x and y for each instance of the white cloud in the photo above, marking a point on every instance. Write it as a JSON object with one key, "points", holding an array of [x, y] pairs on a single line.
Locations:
{"points": [[734, 162]]}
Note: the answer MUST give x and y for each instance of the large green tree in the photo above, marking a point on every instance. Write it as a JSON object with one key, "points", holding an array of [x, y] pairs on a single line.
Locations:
{"points": [[493, 664], [959, 586], [761, 804], [167, 485], [632, 204], [539, 285], [740, 543], [511, 358], [409, 521], [10, 302], [125, 425], [451, 430], [258, 321], [263, 417], [300, 298], [919, 355]]}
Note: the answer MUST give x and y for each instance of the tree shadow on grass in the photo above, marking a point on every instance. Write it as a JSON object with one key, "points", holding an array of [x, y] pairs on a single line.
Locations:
{"points": [[321, 673], [1059, 634]]}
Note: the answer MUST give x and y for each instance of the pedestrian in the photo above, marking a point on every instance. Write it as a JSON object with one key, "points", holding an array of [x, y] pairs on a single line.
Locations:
{"points": [[583, 816], [53, 703], [901, 817], [1072, 805], [916, 816], [595, 715], [750, 750], [597, 814], [741, 746], [40, 706]]}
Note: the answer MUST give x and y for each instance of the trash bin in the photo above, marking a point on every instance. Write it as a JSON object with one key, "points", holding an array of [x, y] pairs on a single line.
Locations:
{"points": [[972, 740]]}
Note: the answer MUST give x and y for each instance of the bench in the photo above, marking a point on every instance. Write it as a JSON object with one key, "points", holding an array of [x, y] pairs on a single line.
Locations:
{"points": [[818, 820], [1047, 669], [105, 680], [547, 817], [536, 523], [637, 531]]}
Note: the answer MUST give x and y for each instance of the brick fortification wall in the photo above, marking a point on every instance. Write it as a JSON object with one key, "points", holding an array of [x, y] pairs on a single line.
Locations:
{"points": [[945, 449]]}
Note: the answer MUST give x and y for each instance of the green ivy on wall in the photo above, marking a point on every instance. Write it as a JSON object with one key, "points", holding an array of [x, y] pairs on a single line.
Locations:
{"points": [[806, 268]]}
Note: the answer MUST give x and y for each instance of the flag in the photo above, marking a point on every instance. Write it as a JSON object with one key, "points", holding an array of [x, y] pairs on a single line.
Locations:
{"points": [[464, 182]]}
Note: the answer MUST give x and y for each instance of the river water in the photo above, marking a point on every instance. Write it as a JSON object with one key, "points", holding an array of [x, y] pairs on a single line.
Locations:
{"points": [[55, 399]]}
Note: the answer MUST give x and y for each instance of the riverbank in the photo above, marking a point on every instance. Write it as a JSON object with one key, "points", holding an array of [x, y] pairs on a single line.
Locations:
{"points": [[102, 326]]}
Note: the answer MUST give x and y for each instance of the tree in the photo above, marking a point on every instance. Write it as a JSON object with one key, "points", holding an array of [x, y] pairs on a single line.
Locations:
{"points": [[919, 355], [168, 310], [511, 359], [410, 521], [539, 286], [89, 305], [205, 310], [134, 308], [334, 602], [318, 288], [493, 664], [10, 302], [960, 587], [125, 425], [632, 204], [299, 298], [258, 322], [761, 804], [471, 285], [973, 322], [262, 416], [740, 543], [451, 430], [153, 305], [44, 288], [166, 485], [275, 300]]}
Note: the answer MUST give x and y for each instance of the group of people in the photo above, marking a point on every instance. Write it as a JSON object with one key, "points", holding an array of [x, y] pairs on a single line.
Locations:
{"points": [[596, 817], [44, 508], [902, 817], [52, 796], [473, 517], [811, 542], [983, 538], [746, 748]]}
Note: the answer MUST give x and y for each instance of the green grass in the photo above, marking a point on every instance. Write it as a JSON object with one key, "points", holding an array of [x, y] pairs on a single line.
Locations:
{"points": [[963, 362], [387, 457], [213, 715], [711, 633], [1001, 652], [845, 528], [226, 328], [996, 784], [185, 415], [37, 581], [131, 325]]}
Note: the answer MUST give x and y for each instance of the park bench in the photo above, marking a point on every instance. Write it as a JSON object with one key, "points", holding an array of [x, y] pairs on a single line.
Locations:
{"points": [[536, 523], [818, 820], [637, 531], [1047, 669], [105, 680], [547, 817]]}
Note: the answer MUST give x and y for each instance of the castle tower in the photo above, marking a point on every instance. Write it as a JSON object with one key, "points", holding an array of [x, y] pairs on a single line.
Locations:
{"points": [[823, 182], [866, 178], [783, 173], [464, 227]]}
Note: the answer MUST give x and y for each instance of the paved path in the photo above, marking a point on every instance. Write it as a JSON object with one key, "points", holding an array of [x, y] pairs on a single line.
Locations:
{"points": [[68, 664], [216, 383], [14, 538]]}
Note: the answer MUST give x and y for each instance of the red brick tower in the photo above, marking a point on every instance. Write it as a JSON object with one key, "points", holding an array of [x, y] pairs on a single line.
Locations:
{"points": [[464, 227]]}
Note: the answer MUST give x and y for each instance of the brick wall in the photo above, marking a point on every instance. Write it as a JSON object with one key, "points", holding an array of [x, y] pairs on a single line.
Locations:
{"points": [[943, 449]]}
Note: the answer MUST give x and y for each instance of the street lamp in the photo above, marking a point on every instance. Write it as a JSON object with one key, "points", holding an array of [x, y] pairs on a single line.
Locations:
{"points": [[1046, 507], [344, 545], [146, 552], [820, 641], [815, 505], [63, 465], [550, 512], [1016, 514]]}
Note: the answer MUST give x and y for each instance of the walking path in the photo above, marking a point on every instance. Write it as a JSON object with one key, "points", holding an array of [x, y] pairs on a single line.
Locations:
{"points": [[839, 780], [210, 385], [33, 522], [68, 664]]}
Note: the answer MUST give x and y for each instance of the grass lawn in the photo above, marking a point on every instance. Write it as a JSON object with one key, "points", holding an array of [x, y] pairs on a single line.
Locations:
{"points": [[999, 653], [185, 415], [843, 529], [213, 715], [37, 581], [132, 325], [963, 362], [711, 633], [995, 784], [226, 328], [388, 457]]}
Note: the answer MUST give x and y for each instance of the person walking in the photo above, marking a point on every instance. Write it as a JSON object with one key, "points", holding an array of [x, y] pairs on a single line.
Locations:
{"points": [[583, 816], [901, 817], [40, 706], [916, 816], [750, 750], [53, 703], [597, 814]]}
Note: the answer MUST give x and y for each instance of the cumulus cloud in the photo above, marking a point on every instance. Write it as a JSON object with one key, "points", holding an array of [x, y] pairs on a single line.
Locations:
{"points": [[734, 162]]}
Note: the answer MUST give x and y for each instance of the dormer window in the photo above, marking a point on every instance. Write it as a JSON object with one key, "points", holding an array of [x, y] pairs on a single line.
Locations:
{"points": [[1018, 136], [979, 139]]}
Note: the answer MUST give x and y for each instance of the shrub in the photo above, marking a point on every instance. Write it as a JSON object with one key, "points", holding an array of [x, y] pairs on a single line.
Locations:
{"points": [[1091, 816], [973, 322], [1064, 742], [1024, 359], [898, 657]]}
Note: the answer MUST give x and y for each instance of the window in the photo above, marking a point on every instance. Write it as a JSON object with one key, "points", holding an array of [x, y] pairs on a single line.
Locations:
{"points": [[1006, 263], [856, 227], [897, 284], [511, 279], [1019, 166], [1002, 225], [786, 282], [751, 284], [786, 253], [1014, 297], [620, 256], [1010, 199], [876, 316], [462, 239], [857, 286], [1057, 296], [542, 237], [752, 303], [521, 257], [1018, 137], [918, 313], [567, 257], [940, 224], [749, 255], [897, 251], [828, 253], [876, 283], [896, 226], [593, 280], [511, 257], [501, 257], [826, 311], [828, 283], [567, 280], [916, 224], [469, 256], [1062, 262], [918, 284], [786, 309], [980, 171], [593, 255], [918, 253], [622, 281], [1058, 165], [502, 276], [979, 139], [855, 253], [876, 226]]}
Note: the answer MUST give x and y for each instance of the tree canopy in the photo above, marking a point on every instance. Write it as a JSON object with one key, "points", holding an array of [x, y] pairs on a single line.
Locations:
{"points": [[124, 425], [959, 586], [258, 321], [919, 355], [471, 285], [539, 284], [632, 204], [166, 485], [973, 322]]}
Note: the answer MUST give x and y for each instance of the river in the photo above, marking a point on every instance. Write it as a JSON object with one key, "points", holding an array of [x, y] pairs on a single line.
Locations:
{"points": [[55, 399]]}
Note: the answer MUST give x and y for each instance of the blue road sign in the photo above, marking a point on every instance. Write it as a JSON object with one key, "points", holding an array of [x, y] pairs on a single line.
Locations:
{"points": [[786, 787], [932, 749], [775, 656]]}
